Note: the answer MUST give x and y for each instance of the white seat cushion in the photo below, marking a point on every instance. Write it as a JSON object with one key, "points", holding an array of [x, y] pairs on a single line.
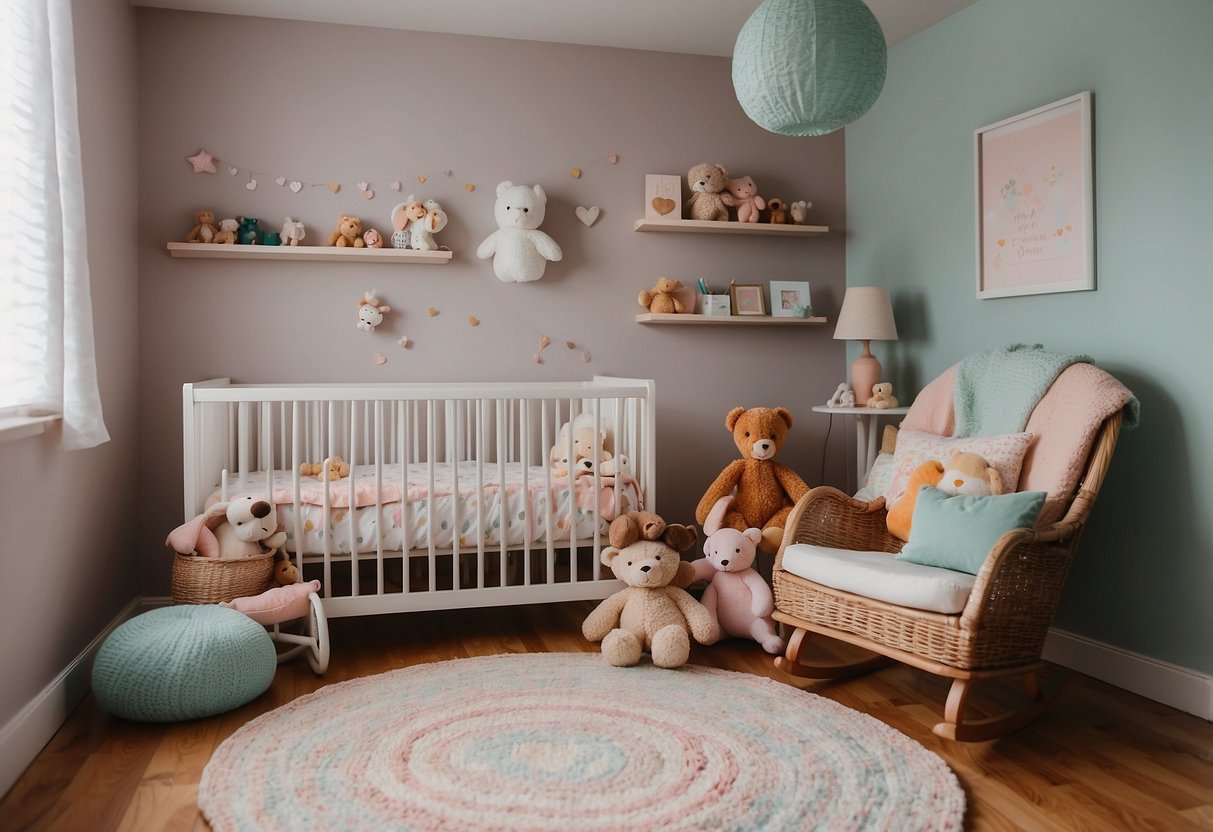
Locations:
{"points": [[881, 576]]}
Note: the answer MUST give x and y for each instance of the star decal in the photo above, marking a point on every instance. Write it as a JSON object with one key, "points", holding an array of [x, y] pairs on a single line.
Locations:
{"points": [[203, 162]]}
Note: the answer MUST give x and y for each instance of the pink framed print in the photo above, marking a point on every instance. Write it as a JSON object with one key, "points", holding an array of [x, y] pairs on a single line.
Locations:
{"points": [[1035, 232]]}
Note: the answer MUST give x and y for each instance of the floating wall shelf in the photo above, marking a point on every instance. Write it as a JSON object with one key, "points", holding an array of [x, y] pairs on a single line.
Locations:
{"points": [[752, 320], [707, 227], [329, 253]]}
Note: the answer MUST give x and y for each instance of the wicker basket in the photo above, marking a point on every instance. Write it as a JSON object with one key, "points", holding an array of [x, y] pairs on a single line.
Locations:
{"points": [[199, 580]]}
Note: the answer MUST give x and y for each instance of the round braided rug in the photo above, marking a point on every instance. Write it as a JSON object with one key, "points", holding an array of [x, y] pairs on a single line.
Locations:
{"points": [[562, 741]]}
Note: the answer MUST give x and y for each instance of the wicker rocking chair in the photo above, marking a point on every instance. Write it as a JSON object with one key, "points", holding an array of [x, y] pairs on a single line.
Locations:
{"points": [[1000, 631]]}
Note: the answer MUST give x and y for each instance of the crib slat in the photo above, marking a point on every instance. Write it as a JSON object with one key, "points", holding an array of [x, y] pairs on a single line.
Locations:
{"points": [[524, 417], [595, 512], [503, 497], [546, 442], [378, 498], [430, 441], [572, 501], [296, 486], [452, 422], [406, 521], [352, 505], [482, 532]]}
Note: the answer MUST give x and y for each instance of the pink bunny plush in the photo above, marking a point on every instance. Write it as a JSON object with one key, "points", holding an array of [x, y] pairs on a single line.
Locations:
{"points": [[737, 597], [746, 198]]}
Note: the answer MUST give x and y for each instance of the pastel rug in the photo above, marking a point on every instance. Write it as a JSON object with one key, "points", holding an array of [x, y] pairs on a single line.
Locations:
{"points": [[561, 741]]}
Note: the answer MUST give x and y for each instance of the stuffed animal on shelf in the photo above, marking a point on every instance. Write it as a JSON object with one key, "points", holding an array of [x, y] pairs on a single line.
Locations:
{"points": [[403, 216], [249, 234], [370, 312], [746, 199], [239, 528], [778, 213], [737, 597], [338, 468], [965, 474], [662, 298], [292, 232], [372, 238], [882, 396], [836, 399], [348, 233], [765, 490], [204, 228], [709, 198], [227, 232], [652, 614], [422, 230], [285, 573], [520, 251], [800, 211]]}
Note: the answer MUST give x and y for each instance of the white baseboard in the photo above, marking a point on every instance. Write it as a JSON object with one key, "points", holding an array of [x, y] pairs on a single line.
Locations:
{"points": [[1170, 684], [33, 726]]}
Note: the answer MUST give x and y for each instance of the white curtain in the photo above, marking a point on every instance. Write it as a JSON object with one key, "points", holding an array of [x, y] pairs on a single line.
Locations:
{"points": [[47, 359]]}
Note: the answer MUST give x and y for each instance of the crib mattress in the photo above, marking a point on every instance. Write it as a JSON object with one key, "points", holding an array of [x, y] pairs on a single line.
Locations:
{"points": [[452, 509]]}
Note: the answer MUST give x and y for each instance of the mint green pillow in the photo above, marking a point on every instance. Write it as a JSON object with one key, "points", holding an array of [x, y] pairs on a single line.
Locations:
{"points": [[959, 532]]}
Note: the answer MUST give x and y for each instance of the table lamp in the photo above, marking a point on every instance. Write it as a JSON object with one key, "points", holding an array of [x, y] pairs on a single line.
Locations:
{"points": [[866, 315]]}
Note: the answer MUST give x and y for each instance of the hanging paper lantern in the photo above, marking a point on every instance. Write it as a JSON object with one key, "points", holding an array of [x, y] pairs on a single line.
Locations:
{"points": [[808, 67]]}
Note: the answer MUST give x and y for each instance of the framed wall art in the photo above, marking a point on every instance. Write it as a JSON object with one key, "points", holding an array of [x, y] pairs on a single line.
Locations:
{"points": [[662, 196], [747, 299], [790, 299], [1035, 224]]}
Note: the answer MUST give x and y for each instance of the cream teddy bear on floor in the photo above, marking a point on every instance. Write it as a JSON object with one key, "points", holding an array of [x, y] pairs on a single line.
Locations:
{"points": [[520, 251]]}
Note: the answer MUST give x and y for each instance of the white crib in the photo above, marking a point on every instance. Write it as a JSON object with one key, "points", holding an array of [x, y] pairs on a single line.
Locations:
{"points": [[428, 461]]}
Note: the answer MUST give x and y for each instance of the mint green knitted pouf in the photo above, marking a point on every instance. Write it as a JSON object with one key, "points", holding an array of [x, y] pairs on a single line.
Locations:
{"points": [[183, 662]]}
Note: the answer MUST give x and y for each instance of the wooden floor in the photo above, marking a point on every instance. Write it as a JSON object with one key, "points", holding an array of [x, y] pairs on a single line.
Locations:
{"points": [[1101, 759]]}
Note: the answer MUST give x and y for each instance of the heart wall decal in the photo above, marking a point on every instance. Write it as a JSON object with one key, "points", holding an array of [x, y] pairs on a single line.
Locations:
{"points": [[588, 216], [296, 186], [662, 205]]}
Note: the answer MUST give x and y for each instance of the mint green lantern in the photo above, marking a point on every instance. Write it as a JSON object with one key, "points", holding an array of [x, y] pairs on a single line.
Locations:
{"points": [[808, 67]]}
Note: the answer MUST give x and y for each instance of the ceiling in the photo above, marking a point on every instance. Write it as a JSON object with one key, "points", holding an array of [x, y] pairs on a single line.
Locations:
{"points": [[698, 27]]}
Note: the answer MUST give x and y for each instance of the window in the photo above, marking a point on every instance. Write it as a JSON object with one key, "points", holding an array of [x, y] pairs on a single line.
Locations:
{"points": [[47, 361]]}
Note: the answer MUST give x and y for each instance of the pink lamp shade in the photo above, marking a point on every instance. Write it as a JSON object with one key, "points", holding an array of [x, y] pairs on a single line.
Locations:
{"points": [[866, 315]]}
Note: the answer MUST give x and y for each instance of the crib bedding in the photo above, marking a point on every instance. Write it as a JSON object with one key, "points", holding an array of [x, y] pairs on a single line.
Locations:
{"points": [[407, 524]]}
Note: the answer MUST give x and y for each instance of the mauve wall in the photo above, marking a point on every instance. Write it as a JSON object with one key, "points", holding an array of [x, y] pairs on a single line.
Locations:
{"points": [[69, 553], [320, 102]]}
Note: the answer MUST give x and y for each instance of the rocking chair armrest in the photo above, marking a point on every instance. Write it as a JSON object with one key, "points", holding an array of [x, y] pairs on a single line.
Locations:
{"points": [[1022, 576], [826, 516]]}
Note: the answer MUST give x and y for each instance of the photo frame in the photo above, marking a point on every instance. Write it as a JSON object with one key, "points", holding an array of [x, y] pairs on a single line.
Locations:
{"points": [[662, 196], [791, 299], [1035, 218], [747, 299]]}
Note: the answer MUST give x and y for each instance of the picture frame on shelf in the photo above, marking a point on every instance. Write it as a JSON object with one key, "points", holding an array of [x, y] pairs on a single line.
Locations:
{"points": [[747, 299], [791, 299], [1035, 216], [662, 196]]}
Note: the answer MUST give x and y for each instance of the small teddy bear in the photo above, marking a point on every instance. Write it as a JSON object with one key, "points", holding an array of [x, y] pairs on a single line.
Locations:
{"points": [[746, 199], [284, 573], [710, 199], [520, 251], [204, 228], [800, 211], [370, 312], [227, 232], [348, 233], [652, 613], [338, 468], [882, 396], [662, 298], [778, 213], [738, 597], [292, 232], [372, 238]]}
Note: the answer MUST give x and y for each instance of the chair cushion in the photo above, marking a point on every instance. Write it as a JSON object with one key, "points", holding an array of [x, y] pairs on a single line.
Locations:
{"points": [[958, 532], [1004, 452], [183, 662], [881, 576]]}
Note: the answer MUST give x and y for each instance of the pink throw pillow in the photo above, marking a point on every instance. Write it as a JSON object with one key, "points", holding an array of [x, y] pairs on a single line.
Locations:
{"points": [[914, 447], [282, 603]]}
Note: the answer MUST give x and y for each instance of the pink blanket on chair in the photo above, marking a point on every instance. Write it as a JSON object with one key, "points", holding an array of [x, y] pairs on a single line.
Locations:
{"points": [[1063, 427]]}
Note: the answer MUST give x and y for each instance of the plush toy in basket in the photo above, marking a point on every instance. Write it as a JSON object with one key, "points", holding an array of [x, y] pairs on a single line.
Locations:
{"points": [[225, 552]]}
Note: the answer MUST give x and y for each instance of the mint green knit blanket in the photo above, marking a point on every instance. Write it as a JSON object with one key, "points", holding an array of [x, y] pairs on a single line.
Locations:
{"points": [[997, 390]]}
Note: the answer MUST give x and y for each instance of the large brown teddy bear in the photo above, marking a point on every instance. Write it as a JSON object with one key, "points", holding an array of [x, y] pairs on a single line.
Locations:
{"points": [[662, 298], [709, 199], [766, 490], [653, 613], [348, 233]]}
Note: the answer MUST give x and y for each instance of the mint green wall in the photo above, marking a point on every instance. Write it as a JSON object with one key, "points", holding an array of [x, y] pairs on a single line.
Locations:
{"points": [[1143, 580]]}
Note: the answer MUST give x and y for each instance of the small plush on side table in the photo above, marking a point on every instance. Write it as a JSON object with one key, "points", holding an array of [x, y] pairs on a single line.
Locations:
{"points": [[737, 597], [662, 298], [765, 490], [882, 396], [653, 614]]}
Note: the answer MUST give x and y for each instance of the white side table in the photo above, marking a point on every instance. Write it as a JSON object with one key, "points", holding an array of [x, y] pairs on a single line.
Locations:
{"points": [[867, 441]]}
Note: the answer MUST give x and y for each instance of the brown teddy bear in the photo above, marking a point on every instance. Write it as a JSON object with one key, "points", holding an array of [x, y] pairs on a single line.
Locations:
{"points": [[338, 468], [348, 233], [709, 199], [777, 214], [653, 613], [766, 490], [661, 297], [204, 228]]}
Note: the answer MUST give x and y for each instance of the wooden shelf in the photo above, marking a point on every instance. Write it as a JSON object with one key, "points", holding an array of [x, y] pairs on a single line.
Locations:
{"points": [[707, 227], [328, 253], [751, 320]]}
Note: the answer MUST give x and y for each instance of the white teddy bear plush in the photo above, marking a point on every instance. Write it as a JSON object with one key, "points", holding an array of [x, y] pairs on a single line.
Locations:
{"points": [[520, 251], [241, 528]]}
